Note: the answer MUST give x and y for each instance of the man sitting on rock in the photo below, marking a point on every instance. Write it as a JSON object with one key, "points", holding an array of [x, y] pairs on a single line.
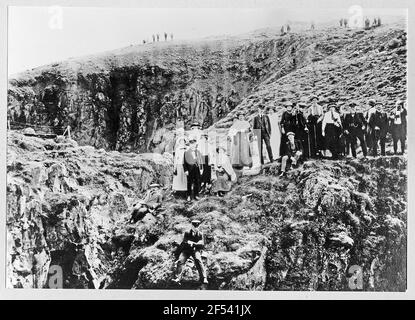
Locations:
{"points": [[151, 202], [293, 152], [192, 245]]}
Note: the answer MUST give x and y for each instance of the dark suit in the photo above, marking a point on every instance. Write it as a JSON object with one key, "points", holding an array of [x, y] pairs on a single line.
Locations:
{"points": [[399, 131], [379, 120], [288, 124], [354, 124], [193, 164], [301, 134], [262, 129]]}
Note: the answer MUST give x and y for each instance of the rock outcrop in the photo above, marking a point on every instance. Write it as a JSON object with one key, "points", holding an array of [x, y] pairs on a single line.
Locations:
{"points": [[69, 206], [64, 200]]}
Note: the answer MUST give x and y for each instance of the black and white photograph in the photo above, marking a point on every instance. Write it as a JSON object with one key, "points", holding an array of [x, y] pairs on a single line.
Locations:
{"points": [[200, 148]]}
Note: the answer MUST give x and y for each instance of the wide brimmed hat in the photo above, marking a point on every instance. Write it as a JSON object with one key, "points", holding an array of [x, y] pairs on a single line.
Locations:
{"points": [[195, 124], [313, 96], [290, 134], [154, 185], [196, 222]]}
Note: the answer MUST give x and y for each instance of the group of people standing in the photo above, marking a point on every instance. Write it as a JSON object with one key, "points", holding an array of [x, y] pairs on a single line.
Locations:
{"points": [[301, 131], [157, 37], [200, 165]]}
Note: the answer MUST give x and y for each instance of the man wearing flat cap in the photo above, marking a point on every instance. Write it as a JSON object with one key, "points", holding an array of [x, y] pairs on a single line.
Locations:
{"points": [[371, 108], [192, 245], [262, 130], [314, 120], [193, 169], [331, 129], [287, 124], [354, 127], [292, 151], [398, 126], [301, 129]]}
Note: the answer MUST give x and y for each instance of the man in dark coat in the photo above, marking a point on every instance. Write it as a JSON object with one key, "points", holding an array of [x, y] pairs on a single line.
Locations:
{"points": [[314, 119], [287, 124], [378, 123], [262, 129], [331, 129], [398, 126], [192, 246], [301, 129], [354, 128], [193, 168]]}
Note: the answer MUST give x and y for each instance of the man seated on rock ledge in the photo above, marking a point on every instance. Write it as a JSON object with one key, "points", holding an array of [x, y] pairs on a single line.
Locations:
{"points": [[293, 152], [192, 245], [151, 202]]}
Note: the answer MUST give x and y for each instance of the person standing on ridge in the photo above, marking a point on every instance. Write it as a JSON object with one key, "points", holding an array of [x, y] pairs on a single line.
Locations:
{"points": [[286, 124], [330, 130], [301, 129], [165, 36], [314, 118], [154, 38], [381, 122], [262, 130], [193, 169], [398, 126], [158, 37], [354, 127]]}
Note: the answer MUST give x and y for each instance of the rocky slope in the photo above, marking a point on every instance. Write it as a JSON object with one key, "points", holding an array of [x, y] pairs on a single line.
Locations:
{"points": [[371, 65], [60, 195], [129, 99], [300, 232]]}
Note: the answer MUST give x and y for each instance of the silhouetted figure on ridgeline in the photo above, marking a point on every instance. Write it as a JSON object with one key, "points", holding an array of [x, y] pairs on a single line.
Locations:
{"points": [[165, 36], [158, 37], [345, 22]]}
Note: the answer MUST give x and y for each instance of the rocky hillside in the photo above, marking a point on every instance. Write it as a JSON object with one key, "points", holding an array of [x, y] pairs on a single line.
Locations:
{"points": [[128, 99], [371, 65], [300, 232]]}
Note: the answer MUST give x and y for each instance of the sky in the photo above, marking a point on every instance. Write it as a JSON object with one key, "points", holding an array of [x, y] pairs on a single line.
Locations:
{"points": [[43, 35]]}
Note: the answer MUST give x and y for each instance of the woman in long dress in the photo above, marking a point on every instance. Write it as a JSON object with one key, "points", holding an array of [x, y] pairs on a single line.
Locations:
{"points": [[274, 118], [223, 174], [240, 146], [179, 177]]}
